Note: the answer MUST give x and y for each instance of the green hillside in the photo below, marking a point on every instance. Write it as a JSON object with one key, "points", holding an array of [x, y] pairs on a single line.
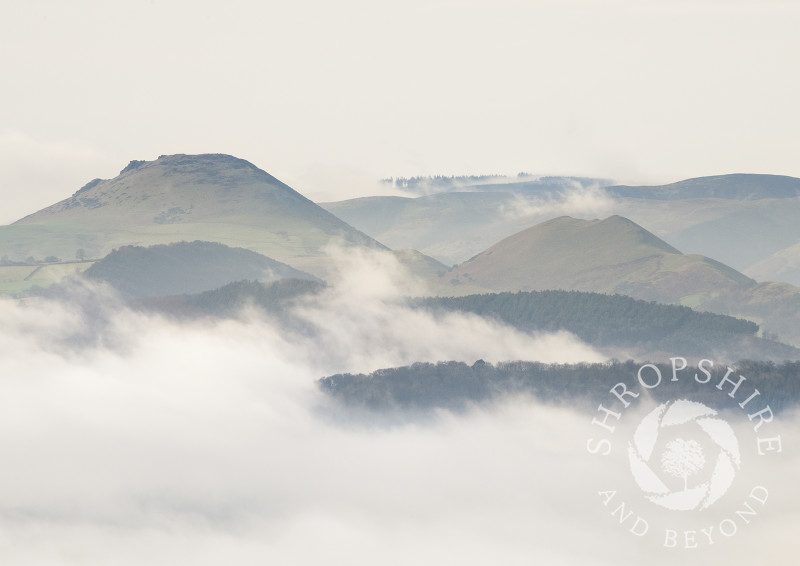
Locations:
{"points": [[16, 279], [176, 198]]}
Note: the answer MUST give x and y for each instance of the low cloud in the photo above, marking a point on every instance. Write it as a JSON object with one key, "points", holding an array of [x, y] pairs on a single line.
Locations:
{"points": [[362, 323], [584, 202], [206, 442]]}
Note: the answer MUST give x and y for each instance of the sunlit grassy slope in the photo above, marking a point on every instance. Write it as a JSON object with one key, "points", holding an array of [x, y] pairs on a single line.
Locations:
{"points": [[182, 198], [613, 255]]}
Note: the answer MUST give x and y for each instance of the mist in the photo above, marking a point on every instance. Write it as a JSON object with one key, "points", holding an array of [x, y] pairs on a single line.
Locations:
{"points": [[150, 440], [583, 202]]}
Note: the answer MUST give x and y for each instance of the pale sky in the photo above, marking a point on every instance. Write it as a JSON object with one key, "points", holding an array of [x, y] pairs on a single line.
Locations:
{"points": [[330, 96]]}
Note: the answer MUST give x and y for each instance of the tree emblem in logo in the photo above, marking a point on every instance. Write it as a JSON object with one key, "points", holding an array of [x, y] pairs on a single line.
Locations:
{"points": [[684, 458]]}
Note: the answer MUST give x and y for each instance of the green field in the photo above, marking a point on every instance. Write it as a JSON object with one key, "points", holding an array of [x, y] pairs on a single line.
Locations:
{"points": [[18, 278]]}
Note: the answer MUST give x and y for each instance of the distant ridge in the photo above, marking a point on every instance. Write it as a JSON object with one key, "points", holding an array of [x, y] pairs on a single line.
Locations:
{"points": [[783, 265], [740, 186], [522, 183], [738, 219]]}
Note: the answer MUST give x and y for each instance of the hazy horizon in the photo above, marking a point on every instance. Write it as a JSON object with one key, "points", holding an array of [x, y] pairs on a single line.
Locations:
{"points": [[330, 98]]}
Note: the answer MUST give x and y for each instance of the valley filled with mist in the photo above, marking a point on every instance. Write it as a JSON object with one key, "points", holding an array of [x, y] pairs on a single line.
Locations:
{"points": [[200, 364]]}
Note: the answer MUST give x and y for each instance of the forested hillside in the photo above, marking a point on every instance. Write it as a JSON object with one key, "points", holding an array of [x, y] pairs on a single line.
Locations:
{"points": [[617, 320], [456, 385], [185, 267], [273, 298]]}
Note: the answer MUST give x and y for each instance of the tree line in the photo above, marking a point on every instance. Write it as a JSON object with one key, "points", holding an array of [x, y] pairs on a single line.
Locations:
{"points": [[456, 385], [617, 320]]}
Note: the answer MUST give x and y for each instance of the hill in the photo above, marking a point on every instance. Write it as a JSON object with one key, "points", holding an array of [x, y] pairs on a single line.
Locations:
{"points": [[622, 326], [185, 268], [211, 197], [453, 226], [613, 255], [739, 219], [740, 233], [616, 255]]}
